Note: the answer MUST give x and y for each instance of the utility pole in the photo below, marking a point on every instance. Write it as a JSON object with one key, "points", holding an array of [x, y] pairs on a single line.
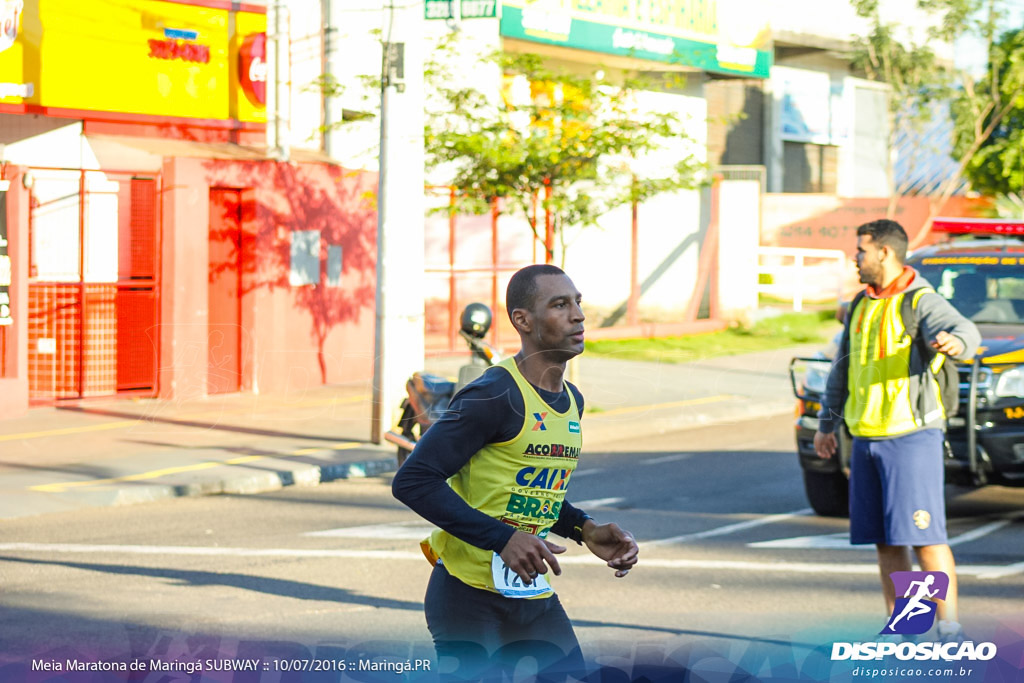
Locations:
{"points": [[278, 79], [332, 114], [399, 324]]}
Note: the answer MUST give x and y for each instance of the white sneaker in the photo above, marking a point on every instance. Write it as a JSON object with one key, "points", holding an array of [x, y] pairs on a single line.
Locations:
{"points": [[950, 631], [889, 636]]}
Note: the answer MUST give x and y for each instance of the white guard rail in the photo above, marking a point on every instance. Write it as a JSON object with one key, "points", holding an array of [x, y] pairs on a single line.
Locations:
{"points": [[801, 274]]}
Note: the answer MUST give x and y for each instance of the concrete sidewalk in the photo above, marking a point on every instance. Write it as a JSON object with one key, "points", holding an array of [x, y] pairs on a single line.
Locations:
{"points": [[123, 451]]}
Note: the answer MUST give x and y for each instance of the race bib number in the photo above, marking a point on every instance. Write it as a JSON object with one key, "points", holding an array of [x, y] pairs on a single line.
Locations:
{"points": [[508, 583]]}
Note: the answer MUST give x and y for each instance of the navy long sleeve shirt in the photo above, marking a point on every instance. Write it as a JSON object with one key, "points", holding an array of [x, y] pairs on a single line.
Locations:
{"points": [[488, 410]]}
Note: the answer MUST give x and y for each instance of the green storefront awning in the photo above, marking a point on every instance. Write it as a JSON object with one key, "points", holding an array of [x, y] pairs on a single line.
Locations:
{"points": [[566, 29]]}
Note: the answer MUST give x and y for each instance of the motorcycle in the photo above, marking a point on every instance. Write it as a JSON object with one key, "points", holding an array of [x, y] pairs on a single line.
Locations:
{"points": [[428, 395]]}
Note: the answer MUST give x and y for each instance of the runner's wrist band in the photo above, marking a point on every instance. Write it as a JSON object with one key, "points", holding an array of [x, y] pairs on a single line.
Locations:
{"points": [[577, 530]]}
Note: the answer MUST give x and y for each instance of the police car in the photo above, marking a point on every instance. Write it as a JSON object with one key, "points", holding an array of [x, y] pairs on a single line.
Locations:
{"points": [[983, 277]]}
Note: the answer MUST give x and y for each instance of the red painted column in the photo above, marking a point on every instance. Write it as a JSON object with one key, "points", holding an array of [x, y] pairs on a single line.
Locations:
{"points": [[549, 228], [632, 312]]}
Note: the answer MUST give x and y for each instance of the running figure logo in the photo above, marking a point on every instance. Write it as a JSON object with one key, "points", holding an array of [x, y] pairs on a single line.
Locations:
{"points": [[914, 613]]}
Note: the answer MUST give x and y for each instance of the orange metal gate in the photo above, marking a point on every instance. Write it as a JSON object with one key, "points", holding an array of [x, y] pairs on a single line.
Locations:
{"points": [[94, 289]]}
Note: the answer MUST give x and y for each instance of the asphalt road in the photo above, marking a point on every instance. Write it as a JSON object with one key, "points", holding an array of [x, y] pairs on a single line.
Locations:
{"points": [[735, 572]]}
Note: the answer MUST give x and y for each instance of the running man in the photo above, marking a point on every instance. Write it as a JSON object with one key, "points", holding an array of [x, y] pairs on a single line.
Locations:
{"points": [[492, 474]]}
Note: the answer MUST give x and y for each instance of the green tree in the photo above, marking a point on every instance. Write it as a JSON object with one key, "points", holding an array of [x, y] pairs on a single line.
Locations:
{"points": [[997, 167], [916, 77], [570, 144], [575, 150], [918, 80]]}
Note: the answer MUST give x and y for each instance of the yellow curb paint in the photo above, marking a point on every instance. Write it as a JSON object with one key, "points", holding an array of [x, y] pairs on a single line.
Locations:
{"points": [[156, 474], [243, 460], [69, 430], [124, 424], [59, 488]]}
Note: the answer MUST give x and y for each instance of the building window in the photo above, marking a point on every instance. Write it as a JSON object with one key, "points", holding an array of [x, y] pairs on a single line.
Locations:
{"points": [[809, 167], [305, 261]]}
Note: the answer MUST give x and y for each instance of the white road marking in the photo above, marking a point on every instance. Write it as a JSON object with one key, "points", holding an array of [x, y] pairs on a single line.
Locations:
{"points": [[999, 572], [841, 541], [585, 473], [209, 552], [730, 528], [667, 458], [599, 503], [866, 568], [400, 531], [985, 530]]}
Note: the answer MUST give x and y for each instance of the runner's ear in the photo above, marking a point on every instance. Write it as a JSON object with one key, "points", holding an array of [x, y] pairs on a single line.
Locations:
{"points": [[521, 320]]}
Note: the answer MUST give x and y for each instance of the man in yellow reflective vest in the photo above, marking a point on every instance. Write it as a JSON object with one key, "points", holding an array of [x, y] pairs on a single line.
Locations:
{"points": [[889, 399], [492, 474]]}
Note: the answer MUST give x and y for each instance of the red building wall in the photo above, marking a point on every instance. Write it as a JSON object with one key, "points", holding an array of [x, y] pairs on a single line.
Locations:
{"points": [[292, 337]]}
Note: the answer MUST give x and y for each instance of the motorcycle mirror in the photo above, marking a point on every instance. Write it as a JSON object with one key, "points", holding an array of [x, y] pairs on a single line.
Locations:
{"points": [[476, 320]]}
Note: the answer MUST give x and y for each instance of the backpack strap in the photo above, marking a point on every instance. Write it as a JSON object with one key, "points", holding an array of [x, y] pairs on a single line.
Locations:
{"points": [[912, 327], [853, 304]]}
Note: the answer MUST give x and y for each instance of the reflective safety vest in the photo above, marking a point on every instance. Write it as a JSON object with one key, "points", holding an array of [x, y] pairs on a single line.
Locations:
{"points": [[521, 482], [888, 396]]}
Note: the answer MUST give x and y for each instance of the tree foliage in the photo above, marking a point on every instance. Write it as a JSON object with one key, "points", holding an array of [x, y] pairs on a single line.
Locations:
{"points": [[571, 144], [997, 167], [918, 79]]}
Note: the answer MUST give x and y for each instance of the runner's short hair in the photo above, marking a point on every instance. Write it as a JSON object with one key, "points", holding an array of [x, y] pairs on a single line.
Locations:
{"points": [[887, 233], [522, 288]]}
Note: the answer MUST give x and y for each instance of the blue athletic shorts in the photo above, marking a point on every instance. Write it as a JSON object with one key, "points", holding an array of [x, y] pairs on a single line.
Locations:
{"points": [[896, 490]]}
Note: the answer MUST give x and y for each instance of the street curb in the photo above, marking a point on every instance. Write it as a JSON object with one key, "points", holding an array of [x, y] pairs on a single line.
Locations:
{"points": [[314, 475], [241, 485], [607, 434]]}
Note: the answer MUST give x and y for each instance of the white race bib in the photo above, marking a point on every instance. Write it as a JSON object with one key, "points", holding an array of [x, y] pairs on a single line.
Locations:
{"points": [[508, 583]]}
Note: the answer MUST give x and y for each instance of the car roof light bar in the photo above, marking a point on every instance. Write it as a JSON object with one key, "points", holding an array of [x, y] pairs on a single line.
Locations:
{"points": [[979, 226]]}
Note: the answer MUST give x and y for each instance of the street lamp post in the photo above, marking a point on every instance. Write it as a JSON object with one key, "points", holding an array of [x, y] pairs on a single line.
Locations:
{"points": [[399, 321]]}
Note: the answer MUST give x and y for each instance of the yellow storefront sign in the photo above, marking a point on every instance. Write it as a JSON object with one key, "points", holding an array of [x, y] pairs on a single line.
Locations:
{"points": [[149, 57]]}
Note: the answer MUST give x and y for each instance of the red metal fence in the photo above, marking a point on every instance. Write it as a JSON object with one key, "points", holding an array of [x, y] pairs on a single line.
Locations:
{"points": [[89, 338]]}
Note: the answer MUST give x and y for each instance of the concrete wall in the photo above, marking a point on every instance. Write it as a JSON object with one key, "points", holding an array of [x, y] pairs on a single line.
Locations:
{"points": [[739, 220], [849, 154], [14, 383], [670, 227], [736, 125]]}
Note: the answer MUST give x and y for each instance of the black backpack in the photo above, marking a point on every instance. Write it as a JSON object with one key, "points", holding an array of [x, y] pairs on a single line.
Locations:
{"points": [[947, 376]]}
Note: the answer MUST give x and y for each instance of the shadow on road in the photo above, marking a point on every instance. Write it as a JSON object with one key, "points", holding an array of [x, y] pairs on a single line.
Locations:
{"points": [[259, 584]]}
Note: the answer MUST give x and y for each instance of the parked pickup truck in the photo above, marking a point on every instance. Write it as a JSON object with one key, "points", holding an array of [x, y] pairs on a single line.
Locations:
{"points": [[984, 280]]}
